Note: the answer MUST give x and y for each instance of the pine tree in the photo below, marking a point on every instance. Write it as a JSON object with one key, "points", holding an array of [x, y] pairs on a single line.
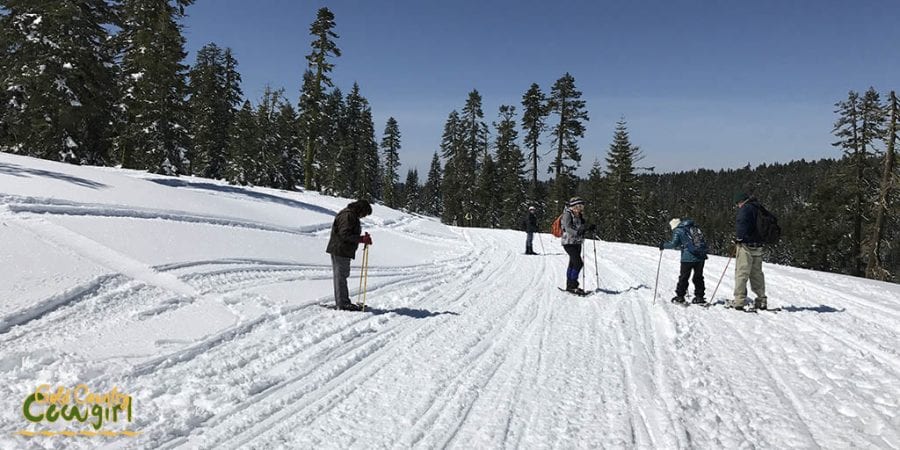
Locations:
{"points": [[242, 146], [215, 92], [596, 190], [473, 133], [858, 128], [883, 211], [566, 104], [268, 156], [621, 200], [487, 212], [323, 47], [455, 167], [362, 148], [390, 144], [154, 133], [534, 117], [308, 124], [290, 165], [334, 170], [57, 79], [431, 198], [510, 169], [411, 196]]}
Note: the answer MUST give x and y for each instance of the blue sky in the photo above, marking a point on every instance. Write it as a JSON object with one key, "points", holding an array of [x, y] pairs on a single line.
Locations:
{"points": [[712, 84]]}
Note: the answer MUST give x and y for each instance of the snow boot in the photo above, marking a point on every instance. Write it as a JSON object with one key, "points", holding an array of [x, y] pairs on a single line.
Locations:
{"points": [[734, 304], [761, 303], [350, 307], [698, 300], [678, 299]]}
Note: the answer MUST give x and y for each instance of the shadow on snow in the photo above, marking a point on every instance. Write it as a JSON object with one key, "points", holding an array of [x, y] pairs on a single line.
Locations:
{"points": [[19, 171], [242, 191]]}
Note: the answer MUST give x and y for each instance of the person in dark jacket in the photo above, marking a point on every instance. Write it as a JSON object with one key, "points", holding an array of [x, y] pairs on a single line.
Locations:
{"points": [[748, 255], [531, 227], [574, 229], [342, 245], [689, 261]]}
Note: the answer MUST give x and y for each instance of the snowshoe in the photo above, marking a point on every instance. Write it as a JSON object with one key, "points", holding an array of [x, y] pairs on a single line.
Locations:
{"points": [[699, 301], [679, 300], [350, 307]]}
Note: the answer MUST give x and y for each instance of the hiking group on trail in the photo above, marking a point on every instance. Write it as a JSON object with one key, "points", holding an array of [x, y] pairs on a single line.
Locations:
{"points": [[754, 228]]}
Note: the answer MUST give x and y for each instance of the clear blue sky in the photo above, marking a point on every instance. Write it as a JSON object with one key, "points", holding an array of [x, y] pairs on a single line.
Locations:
{"points": [[708, 84]]}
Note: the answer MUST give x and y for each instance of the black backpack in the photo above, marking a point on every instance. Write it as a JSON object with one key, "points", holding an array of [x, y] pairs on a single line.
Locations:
{"points": [[767, 225], [696, 243]]}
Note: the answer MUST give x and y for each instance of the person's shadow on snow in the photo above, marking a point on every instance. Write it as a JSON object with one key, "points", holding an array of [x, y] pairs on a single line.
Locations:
{"points": [[409, 312], [817, 309], [614, 292]]}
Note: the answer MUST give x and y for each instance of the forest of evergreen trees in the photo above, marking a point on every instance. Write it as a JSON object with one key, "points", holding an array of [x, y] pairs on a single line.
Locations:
{"points": [[104, 82]]}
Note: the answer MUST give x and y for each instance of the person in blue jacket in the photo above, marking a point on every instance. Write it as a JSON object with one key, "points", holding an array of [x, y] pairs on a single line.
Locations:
{"points": [[690, 262]]}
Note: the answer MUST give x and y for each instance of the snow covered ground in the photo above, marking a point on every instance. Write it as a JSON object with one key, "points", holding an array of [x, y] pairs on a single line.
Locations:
{"points": [[200, 299]]}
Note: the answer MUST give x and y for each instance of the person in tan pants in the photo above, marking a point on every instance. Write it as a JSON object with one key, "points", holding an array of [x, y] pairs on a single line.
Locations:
{"points": [[748, 256]]}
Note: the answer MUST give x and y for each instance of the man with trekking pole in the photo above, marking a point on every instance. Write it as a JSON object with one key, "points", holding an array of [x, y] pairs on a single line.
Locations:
{"points": [[342, 245]]}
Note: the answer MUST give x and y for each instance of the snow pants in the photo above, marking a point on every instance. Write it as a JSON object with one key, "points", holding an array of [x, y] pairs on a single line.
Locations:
{"points": [[748, 266], [575, 265], [340, 267], [529, 240], [699, 286]]}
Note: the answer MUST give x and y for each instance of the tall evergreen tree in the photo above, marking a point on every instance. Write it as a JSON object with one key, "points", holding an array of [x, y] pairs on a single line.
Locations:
{"points": [[473, 132], [390, 145], [510, 168], [215, 93], [621, 200], [332, 161], [243, 143], [456, 170], [858, 128], [431, 198], [487, 213], [362, 148], [269, 152], [57, 79], [323, 47], [154, 134], [411, 196], [565, 101], [534, 122], [290, 166], [883, 209]]}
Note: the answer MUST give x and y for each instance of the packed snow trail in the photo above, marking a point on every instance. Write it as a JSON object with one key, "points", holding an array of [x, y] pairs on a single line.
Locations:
{"points": [[207, 314]]}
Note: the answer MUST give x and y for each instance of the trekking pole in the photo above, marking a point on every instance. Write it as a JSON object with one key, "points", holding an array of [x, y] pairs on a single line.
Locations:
{"points": [[583, 272], [656, 285], [541, 240], [596, 265], [713, 297], [363, 277]]}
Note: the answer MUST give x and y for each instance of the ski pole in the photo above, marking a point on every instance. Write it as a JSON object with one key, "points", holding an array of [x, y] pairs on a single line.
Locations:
{"points": [[541, 240], [713, 297], [656, 285], [596, 265], [366, 280]]}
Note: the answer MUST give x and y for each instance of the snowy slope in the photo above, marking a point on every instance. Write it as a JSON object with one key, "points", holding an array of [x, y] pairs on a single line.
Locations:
{"points": [[199, 299]]}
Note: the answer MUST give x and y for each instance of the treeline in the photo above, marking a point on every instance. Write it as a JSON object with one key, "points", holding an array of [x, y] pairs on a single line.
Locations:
{"points": [[104, 82]]}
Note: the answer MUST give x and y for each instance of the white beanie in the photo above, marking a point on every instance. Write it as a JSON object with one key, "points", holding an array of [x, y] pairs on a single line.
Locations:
{"points": [[674, 223]]}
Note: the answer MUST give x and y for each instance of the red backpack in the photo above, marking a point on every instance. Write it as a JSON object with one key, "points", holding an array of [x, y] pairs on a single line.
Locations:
{"points": [[556, 227]]}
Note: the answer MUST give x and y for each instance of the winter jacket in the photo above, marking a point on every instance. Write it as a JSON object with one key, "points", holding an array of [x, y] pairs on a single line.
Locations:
{"points": [[530, 221], [680, 239], [345, 233], [573, 228], [745, 225]]}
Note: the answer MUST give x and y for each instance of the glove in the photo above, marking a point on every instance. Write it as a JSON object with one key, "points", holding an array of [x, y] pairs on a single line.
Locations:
{"points": [[662, 246], [365, 239]]}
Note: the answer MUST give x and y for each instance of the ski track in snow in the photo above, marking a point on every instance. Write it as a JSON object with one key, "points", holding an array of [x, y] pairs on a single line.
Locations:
{"points": [[476, 349]]}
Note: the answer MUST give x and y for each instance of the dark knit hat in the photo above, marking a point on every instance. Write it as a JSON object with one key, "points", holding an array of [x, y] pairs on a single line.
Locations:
{"points": [[361, 208], [740, 196], [575, 201]]}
